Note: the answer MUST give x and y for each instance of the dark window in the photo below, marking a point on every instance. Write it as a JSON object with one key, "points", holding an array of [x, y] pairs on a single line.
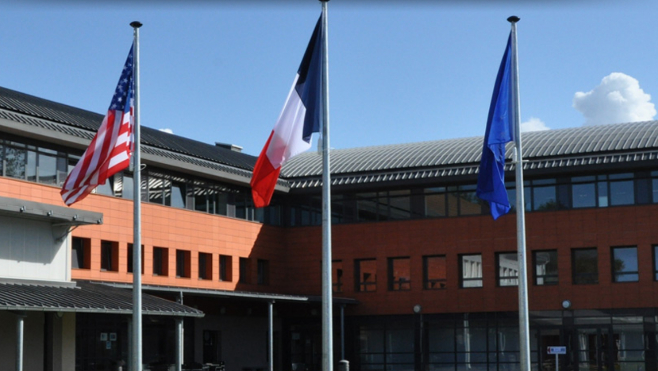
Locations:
{"points": [[435, 202], [399, 274], [544, 195], [160, 261], [245, 272], [337, 275], [470, 267], [585, 266], [225, 268], [365, 274], [621, 189], [508, 269], [80, 253], [109, 256], [183, 263], [205, 266], [545, 263], [263, 272], [130, 258], [583, 192], [624, 264], [434, 272]]}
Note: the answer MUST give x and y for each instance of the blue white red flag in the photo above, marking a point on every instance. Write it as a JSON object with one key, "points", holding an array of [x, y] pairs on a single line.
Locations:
{"points": [[500, 130], [299, 119], [111, 148]]}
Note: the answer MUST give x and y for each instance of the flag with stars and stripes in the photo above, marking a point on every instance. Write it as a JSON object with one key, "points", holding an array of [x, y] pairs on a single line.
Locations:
{"points": [[111, 148]]}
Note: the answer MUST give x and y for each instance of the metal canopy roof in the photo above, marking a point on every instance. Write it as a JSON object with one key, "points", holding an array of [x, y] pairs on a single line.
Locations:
{"points": [[543, 149], [85, 297], [53, 213], [48, 114], [231, 294]]}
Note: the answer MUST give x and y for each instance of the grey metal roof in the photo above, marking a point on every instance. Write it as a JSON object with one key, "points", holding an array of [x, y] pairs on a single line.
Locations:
{"points": [[84, 297], [84, 124], [441, 158]]}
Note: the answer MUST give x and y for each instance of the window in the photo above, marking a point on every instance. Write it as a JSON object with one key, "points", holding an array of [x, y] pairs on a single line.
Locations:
{"points": [[545, 263], [583, 191], [244, 270], [624, 264], [471, 270], [337, 275], [160, 261], [109, 256], [263, 272], [508, 269], [365, 274], [205, 266], [544, 195], [399, 274], [621, 189], [183, 264], [130, 258], [225, 268], [434, 272], [585, 266], [80, 253]]}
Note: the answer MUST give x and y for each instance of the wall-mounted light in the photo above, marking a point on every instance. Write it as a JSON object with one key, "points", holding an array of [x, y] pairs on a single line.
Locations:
{"points": [[417, 308], [22, 209], [566, 304], [50, 213]]}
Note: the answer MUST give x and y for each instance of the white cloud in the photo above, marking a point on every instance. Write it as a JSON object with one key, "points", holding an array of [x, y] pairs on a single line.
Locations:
{"points": [[169, 131], [617, 99], [534, 124]]}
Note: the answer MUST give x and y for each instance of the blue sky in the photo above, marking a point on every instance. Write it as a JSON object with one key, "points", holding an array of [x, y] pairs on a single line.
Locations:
{"points": [[400, 71]]}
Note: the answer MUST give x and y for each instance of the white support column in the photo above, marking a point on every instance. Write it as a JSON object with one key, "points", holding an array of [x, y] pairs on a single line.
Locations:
{"points": [[20, 324], [179, 344]]}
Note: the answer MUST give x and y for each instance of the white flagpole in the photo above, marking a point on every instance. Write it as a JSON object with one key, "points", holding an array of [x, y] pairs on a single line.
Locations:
{"points": [[327, 315], [137, 207], [524, 326]]}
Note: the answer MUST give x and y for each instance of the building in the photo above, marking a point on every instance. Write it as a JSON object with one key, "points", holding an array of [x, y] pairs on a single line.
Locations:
{"points": [[423, 277]]}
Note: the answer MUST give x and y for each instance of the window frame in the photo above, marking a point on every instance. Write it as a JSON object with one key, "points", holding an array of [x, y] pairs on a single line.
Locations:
{"points": [[463, 279], [499, 278], [575, 275], [615, 274], [363, 286], [398, 284], [546, 277], [429, 283]]}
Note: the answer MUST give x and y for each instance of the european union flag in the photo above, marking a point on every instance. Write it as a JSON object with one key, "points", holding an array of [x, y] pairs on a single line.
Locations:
{"points": [[491, 177]]}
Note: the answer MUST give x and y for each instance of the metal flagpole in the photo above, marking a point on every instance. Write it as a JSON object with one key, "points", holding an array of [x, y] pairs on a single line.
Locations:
{"points": [[327, 315], [137, 207], [524, 327]]}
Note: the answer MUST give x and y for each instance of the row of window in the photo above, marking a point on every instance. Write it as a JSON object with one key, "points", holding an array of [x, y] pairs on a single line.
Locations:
{"points": [[44, 163], [109, 253], [584, 265]]}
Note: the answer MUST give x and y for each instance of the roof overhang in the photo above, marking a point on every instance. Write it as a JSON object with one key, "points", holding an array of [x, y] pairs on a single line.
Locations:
{"points": [[55, 214], [83, 297]]}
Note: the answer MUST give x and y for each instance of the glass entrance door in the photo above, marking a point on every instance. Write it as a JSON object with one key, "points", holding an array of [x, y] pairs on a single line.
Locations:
{"points": [[593, 348]]}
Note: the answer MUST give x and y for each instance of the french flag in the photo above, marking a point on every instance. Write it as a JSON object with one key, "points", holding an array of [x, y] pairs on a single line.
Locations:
{"points": [[299, 119]]}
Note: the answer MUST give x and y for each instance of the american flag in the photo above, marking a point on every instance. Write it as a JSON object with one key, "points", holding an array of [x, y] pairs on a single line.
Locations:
{"points": [[111, 148]]}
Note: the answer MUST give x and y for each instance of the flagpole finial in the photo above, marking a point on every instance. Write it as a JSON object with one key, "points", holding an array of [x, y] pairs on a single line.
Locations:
{"points": [[513, 19], [136, 24]]}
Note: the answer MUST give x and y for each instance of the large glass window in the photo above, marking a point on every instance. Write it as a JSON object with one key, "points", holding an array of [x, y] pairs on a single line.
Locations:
{"points": [[508, 269], [471, 270], [399, 274], [544, 195], [365, 275], [583, 192], [585, 266], [545, 263], [621, 189], [624, 264], [434, 272], [435, 202], [386, 347]]}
